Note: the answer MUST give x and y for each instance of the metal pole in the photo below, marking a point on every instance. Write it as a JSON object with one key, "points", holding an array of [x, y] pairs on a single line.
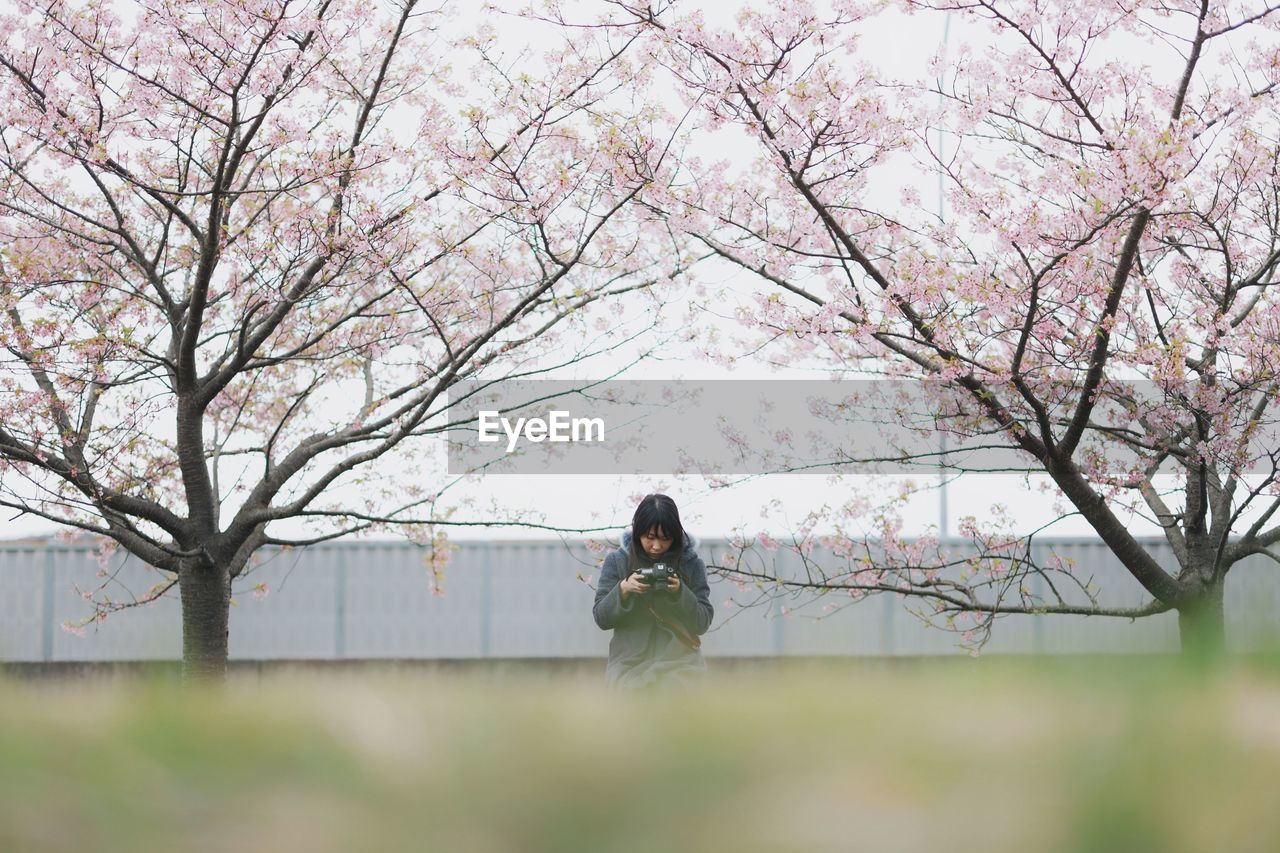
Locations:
{"points": [[340, 602], [486, 600], [46, 649], [888, 645]]}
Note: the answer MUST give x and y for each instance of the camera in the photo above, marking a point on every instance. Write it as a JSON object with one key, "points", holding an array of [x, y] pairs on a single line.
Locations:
{"points": [[657, 576]]}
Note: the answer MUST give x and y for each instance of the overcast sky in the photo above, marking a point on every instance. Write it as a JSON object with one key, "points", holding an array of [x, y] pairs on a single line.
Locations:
{"points": [[901, 47]]}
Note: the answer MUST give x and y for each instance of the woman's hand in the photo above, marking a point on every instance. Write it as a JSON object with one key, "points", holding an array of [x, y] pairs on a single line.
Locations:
{"points": [[632, 585]]}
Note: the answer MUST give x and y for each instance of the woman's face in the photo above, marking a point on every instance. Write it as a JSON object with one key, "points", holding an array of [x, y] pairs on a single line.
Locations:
{"points": [[655, 543]]}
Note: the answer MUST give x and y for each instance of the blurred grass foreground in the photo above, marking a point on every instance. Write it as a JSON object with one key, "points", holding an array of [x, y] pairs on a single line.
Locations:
{"points": [[989, 754]]}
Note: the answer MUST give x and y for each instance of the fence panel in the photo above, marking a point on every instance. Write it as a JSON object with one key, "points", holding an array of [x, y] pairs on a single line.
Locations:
{"points": [[513, 599]]}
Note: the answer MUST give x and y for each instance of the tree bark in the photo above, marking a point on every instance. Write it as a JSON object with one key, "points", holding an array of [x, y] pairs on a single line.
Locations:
{"points": [[206, 608], [1201, 624]]}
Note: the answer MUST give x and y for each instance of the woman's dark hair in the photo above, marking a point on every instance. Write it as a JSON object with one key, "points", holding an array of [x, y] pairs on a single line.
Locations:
{"points": [[657, 511]]}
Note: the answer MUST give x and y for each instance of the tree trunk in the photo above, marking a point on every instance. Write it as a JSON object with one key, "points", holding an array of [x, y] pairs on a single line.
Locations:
{"points": [[1201, 624], [206, 608]]}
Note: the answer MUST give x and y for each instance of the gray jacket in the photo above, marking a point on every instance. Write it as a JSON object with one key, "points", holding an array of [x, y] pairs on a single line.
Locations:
{"points": [[643, 650]]}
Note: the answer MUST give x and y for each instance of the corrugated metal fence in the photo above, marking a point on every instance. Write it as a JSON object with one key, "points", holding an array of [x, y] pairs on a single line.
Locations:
{"points": [[513, 599]]}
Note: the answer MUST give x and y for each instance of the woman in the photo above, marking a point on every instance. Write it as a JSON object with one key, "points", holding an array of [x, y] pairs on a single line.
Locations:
{"points": [[655, 627]]}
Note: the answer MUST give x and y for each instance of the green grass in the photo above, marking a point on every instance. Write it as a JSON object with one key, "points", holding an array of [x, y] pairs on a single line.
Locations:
{"points": [[991, 755]]}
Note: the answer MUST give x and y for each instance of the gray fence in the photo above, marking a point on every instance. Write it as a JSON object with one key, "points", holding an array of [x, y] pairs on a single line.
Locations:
{"points": [[508, 599]]}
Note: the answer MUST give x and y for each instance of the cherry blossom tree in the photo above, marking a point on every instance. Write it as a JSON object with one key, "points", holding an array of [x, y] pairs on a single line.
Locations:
{"points": [[248, 246], [1098, 295]]}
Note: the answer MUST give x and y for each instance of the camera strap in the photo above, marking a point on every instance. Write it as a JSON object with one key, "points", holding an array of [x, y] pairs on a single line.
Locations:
{"points": [[683, 634]]}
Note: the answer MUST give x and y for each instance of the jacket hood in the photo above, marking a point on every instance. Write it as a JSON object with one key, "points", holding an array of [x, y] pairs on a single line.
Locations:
{"points": [[690, 541]]}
